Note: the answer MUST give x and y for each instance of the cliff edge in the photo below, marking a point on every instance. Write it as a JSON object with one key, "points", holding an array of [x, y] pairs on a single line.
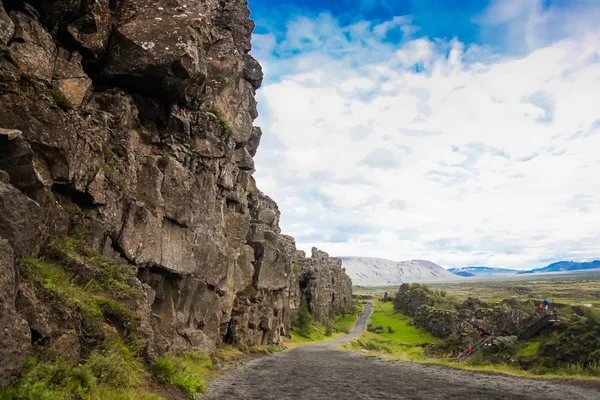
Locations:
{"points": [[126, 162]]}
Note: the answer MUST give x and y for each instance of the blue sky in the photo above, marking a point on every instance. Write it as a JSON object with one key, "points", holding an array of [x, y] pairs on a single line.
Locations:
{"points": [[434, 18], [462, 132]]}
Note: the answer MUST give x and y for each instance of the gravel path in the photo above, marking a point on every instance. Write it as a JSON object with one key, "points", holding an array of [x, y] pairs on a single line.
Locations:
{"points": [[320, 372]]}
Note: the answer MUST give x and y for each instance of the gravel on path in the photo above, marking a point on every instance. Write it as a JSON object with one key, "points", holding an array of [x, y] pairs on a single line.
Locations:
{"points": [[321, 372]]}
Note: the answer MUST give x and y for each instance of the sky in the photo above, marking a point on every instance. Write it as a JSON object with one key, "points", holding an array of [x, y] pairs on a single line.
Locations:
{"points": [[460, 132]]}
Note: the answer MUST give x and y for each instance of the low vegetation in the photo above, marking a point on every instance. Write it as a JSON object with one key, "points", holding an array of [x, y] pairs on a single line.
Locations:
{"points": [[392, 335], [187, 371], [111, 371], [306, 330], [97, 299], [569, 348], [92, 296], [219, 117]]}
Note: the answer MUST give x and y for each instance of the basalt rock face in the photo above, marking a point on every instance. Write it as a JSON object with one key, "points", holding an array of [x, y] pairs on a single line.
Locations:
{"points": [[14, 332], [471, 320], [324, 282], [129, 123]]}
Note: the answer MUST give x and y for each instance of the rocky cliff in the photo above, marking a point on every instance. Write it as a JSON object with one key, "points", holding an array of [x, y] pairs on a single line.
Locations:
{"points": [[128, 124]]}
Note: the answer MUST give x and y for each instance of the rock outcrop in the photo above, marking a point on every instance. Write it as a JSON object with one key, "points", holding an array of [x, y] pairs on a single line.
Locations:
{"points": [[129, 124], [324, 282], [470, 320]]}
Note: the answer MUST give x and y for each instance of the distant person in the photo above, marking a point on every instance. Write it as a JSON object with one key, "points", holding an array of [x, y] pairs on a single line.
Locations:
{"points": [[541, 306], [546, 304], [469, 349]]}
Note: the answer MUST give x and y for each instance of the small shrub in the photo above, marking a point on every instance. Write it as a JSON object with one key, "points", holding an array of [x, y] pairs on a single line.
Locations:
{"points": [[304, 320], [375, 329], [390, 329], [329, 330], [297, 268], [163, 369], [591, 317], [109, 373]]}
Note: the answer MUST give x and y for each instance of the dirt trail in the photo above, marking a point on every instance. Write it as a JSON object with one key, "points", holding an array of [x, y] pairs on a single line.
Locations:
{"points": [[321, 372]]}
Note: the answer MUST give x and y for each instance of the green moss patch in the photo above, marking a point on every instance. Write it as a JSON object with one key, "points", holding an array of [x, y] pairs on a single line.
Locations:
{"points": [[60, 99]]}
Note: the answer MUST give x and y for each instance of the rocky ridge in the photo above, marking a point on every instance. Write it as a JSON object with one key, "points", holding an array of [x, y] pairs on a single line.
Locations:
{"points": [[129, 124], [467, 321]]}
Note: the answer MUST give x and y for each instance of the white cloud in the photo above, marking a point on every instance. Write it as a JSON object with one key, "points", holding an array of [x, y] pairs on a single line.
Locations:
{"points": [[382, 29], [531, 24], [432, 149]]}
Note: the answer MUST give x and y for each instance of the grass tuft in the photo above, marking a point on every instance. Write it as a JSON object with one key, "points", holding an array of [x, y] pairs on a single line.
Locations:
{"points": [[111, 372], [186, 371], [219, 117]]}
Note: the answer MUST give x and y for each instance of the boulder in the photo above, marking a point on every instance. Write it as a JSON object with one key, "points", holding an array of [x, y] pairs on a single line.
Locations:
{"points": [[19, 220], [70, 79], [33, 50], [92, 30]]}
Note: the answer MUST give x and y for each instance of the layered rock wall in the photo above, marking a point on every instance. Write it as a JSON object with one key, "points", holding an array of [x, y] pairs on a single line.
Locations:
{"points": [[129, 123], [324, 282]]}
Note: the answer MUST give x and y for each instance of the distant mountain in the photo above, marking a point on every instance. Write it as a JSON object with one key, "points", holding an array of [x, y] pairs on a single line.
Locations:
{"points": [[565, 266], [368, 271], [481, 271]]}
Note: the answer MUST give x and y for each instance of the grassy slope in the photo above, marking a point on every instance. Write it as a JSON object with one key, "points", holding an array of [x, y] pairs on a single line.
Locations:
{"points": [[92, 291], [404, 341], [341, 325]]}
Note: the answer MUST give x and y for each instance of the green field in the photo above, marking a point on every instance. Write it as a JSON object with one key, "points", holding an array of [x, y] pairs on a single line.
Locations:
{"points": [[573, 288], [345, 323], [403, 332], [399, 340]]}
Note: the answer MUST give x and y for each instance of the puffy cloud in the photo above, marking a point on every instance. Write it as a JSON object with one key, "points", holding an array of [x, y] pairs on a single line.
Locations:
{"points": [[431, 148], [382, 29]]}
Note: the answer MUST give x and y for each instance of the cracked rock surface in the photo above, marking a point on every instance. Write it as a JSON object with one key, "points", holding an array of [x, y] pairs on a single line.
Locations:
{"points": [[130, 124]]}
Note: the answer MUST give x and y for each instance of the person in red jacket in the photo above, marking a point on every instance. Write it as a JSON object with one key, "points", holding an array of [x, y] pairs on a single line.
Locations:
{"points": [[469, 349]]}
